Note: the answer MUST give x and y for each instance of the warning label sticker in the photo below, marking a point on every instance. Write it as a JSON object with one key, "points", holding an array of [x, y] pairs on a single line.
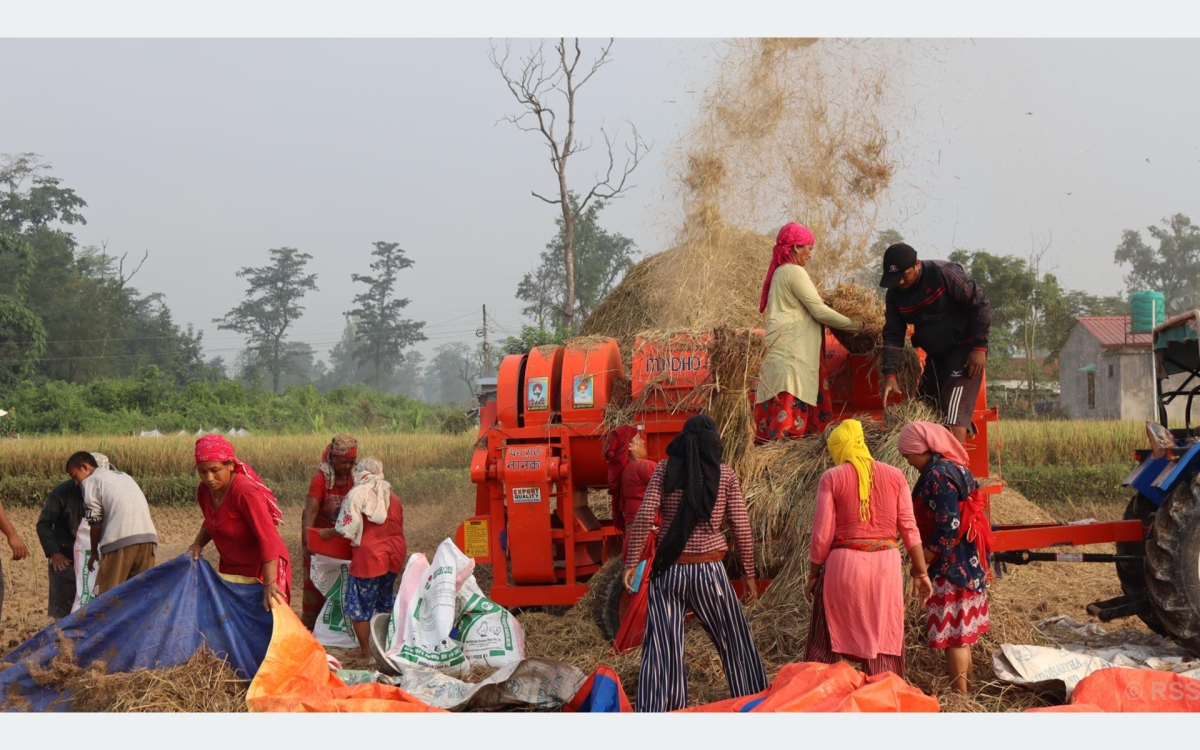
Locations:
{"points": [[527, 494], [475, 538]]}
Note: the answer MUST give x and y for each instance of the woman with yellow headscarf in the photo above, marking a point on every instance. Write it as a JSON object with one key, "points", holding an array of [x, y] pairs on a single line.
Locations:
{"points": [[864, 512]]}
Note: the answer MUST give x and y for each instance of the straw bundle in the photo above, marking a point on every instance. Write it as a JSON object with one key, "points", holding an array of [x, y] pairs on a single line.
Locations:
{"points": [[779, 483], [203, 684], [857, 302]]}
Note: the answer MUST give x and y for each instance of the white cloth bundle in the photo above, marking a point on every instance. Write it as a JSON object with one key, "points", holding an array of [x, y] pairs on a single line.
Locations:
{"points": [[369, 499]]}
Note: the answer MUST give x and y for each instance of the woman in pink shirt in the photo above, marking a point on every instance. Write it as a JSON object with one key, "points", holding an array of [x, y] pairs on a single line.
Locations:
{"points": [[855, 584]]}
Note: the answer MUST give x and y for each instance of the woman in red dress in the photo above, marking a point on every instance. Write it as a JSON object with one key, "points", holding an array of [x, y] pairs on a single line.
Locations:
{"points": [[240, 517], [628, 472], [326, 493]]}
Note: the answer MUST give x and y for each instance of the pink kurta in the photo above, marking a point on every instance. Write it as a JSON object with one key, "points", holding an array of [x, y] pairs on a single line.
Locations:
{"points": [[864, 591]]}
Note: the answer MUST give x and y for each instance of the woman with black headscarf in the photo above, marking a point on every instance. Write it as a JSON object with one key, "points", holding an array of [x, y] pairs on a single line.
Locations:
{"points": [[695, 492]]}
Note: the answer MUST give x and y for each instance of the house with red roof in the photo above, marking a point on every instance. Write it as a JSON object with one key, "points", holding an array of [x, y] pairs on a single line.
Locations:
{"points": [[1106, 372]]}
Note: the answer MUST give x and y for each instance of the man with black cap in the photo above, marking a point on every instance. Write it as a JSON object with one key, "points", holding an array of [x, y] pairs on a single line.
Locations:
{"points": [[950, 316]]}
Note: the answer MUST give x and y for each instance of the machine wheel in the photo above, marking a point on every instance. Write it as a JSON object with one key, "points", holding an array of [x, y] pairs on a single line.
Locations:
{"points": [[1133, 575], [1173, 564], [611, 598]]}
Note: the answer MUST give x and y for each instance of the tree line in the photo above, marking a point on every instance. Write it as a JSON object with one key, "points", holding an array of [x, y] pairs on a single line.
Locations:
{"points": [[73, 315]]}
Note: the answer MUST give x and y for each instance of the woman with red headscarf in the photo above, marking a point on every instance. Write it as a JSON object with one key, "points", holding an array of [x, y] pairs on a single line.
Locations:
{"points": [[793, 393], [628, 473], [957, 537], [326, 493], [240, 517]]}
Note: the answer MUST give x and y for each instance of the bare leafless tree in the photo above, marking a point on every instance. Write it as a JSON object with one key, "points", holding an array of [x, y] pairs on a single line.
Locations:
{"points": [[534, 81], [1035, 314], [466, 373]]}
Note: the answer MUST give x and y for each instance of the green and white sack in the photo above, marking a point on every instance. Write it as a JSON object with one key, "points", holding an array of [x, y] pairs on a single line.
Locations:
{"points": [[85, 580], [333, 628], [489, 634], [425, 608], [442, 619]]}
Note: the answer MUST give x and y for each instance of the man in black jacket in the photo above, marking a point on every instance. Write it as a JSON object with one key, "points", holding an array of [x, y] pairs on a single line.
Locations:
{"points": [[950, 316], [57, 527]]}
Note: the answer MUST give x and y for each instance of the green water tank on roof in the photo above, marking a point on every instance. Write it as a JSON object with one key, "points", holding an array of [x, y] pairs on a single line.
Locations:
{"points": [[1147, 309]]}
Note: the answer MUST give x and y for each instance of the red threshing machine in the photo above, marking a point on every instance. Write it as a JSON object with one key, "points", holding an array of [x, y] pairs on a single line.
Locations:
{"points": [[540, 451]]}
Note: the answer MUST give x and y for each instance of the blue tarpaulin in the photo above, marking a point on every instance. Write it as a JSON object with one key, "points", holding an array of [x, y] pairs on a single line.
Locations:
{"points": [[600, 693], [158, 619]]}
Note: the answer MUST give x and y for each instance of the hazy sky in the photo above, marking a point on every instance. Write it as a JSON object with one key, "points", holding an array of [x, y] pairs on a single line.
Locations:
{"points": [[207, 153]]}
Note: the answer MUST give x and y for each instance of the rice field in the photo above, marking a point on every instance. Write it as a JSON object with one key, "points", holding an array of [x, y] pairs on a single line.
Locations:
{"points": [[279, 458], [1061, 443]]}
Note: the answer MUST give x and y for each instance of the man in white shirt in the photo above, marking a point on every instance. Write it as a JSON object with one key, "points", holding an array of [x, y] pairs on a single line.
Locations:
{"points": [[123, 534]]}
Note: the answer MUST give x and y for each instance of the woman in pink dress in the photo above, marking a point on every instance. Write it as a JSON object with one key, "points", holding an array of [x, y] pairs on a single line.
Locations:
{"points": [[864, 513]]}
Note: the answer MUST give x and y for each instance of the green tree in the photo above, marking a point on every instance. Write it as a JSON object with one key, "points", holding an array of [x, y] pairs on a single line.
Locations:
{"points": [[868, 275], [381, 335], [343, 368], [254, 367], [449, 376], [1172, 268], [409, 379], [271, 306], [530, 337], [1028, 306], [22, 341], [1009, 285], [600, 259], [43, 202], [95, 323]]}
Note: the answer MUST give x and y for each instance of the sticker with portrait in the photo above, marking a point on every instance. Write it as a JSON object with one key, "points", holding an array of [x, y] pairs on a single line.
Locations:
{"points": [[582, 395], [537, 396]]}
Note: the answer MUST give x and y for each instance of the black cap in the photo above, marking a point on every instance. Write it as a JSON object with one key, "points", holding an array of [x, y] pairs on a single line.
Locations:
{"points": [[896, 260]]}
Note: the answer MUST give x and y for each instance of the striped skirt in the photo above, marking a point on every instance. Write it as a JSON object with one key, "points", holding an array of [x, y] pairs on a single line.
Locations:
{"points": [[703, 588], [955, 616]]}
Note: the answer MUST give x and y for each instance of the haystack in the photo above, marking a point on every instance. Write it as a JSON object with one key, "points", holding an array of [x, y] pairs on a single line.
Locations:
{"points": [[694, 286]]}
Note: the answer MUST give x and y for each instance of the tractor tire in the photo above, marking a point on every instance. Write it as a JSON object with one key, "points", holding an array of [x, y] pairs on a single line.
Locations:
{"points": [[1133, 575], [611, 598], [1173, 564]]}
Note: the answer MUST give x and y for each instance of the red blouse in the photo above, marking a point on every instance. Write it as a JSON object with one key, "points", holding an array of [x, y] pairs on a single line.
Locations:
{"points": [[383, 549], [242, 529], [634, 479], [329, 501]]}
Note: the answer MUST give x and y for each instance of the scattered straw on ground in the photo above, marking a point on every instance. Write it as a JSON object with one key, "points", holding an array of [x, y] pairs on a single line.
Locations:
{"points": [[203, 684], [780, 626]]}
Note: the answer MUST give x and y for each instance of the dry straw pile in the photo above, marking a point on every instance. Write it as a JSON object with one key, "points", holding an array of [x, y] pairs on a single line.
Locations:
{"points": [[203, 684]]}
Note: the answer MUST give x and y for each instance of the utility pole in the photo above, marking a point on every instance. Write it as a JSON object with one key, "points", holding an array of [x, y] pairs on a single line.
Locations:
{"points": [[486, 364]]}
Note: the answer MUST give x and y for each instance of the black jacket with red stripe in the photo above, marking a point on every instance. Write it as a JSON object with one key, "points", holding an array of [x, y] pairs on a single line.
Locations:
{"points": [[946, 309]]}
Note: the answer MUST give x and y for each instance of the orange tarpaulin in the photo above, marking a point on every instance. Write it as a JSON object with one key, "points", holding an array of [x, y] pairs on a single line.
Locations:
{"points": [[809, 686], [294, 676], [1122, 690]]}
